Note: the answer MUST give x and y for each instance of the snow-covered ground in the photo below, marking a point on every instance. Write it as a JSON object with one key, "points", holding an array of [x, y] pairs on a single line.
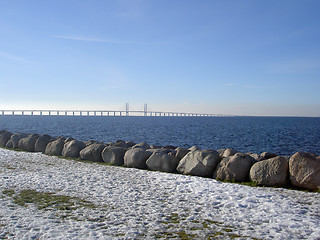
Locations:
{"points": [[136, 204]]}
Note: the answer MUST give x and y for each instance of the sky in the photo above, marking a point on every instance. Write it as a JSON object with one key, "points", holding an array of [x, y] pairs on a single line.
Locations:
{"points": [[240, 57]]}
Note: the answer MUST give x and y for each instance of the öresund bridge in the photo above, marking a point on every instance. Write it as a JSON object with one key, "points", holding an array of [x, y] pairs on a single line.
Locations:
{"points": [[127, 112]]}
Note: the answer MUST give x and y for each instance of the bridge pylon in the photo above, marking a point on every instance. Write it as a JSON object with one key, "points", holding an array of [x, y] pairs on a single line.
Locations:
{"points": [[145, 109]]}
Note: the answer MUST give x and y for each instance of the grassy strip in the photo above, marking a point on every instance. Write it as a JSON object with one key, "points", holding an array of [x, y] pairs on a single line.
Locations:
{"points": [[47, 200], [196, 229]]}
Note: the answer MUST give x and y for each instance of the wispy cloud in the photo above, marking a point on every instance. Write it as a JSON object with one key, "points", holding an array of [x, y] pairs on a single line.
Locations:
{"points": [[14, 57], [92, 39]]}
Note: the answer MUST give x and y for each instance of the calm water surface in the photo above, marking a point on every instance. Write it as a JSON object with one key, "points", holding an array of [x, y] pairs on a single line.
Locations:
{"points": [[282, 135]]}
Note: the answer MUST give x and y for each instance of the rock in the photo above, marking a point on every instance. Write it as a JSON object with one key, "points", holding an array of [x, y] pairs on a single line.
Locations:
{"points": [[14, 140], [160, 161], [267, 155], [68, 139], [256, 156], [42, 142], [272, 172], [88, 143], [228, 152], [181, 152], [199, 163], [136, 158], [172, 153], [28, 143], [4, 137], [155, 146], [130, 144], [72, 148], [169, 147], [93, 152], [142, 145], [55, 147], [235, 167], [121, 143], [153, 150], [113, 155], [194, 148], [304, 169]]}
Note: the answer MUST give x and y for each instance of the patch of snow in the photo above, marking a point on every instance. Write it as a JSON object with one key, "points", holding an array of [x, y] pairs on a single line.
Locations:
{"points": [[135, 203]]}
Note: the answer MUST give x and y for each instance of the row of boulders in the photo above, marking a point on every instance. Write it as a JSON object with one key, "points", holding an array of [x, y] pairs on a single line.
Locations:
{"points": [[300, 170]]}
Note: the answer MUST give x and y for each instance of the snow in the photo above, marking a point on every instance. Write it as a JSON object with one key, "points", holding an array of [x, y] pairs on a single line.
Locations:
{"points": [[140, 204]]}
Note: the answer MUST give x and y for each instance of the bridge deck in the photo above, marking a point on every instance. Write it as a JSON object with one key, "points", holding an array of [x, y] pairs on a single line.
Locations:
{"points": [[104, 113]]}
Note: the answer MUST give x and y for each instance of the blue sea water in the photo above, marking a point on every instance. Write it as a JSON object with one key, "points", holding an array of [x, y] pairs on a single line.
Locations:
{"points": [[281, 135]]}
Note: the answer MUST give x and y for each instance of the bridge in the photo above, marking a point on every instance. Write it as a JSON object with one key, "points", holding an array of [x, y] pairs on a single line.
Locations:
{"points": [[126, 112]]}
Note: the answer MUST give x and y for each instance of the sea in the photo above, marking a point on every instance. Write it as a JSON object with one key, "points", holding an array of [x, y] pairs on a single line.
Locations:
{"points": [[280, 135]]}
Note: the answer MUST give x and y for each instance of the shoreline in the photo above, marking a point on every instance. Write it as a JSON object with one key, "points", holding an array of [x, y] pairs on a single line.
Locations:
{"points": [[266, 169]]}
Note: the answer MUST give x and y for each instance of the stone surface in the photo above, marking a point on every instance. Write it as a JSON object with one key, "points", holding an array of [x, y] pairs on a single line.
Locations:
{"points": [[267, 155], [235, 167], [42, 142], [304, 169], [142, 145], [256, 156], [121, 143], [228, 152], [136, 158], [93, 152], [72, 148], [4, 137], [28, 143], [55, 147], [14, 140], [114, 155], [194, 148], [160, 161], [181, 152], [199, 163], [130, 144], [272, 172], [169, 147]]}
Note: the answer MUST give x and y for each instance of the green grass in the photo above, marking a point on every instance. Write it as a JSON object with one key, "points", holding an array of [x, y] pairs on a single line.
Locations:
{"points": [[47, 200], [177, 227]]}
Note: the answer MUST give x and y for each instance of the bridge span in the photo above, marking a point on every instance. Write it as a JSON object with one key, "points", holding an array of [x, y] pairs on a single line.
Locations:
{"points": [[145, 112], [104, 113]]}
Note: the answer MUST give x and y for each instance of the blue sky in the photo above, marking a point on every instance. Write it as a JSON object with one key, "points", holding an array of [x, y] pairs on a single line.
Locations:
{"points": [[243, 57]]}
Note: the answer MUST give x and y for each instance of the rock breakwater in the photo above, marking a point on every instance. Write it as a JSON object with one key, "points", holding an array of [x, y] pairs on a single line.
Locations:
{"points": [[301, 170]]}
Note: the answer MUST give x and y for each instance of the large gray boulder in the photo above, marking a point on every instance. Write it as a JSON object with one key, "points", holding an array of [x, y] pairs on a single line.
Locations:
{"points": [[4, 137], [93, 152], [199, 163], [181, 152], [194, 148], [163, 162], [72, 148], [114, 155], [55, 147], [272, 172], [267, 155], [14, 140], [304, 169], [235, 167], [136, 157], [228, 153], [121, 143], [142, 145], [28, 143], [42, 142]]}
